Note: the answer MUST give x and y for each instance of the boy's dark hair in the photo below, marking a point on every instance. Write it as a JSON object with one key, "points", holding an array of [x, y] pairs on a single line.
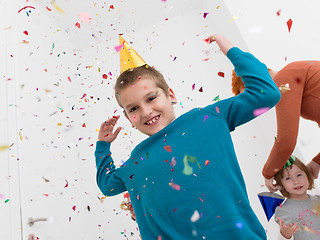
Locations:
{"points": [[278, 177], [133, 75]]}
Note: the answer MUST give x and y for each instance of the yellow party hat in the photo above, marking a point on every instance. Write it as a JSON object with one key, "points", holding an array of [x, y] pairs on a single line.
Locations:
{"points": [[129, 58]]}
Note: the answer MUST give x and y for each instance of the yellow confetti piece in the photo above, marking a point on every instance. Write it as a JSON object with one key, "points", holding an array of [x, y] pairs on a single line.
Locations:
{"points": [[57, 8], [20, 136], [4, 147], [59, 124]]}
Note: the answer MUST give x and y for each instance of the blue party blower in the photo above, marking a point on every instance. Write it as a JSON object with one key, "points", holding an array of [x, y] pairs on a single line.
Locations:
{"points": [[269, 202]]}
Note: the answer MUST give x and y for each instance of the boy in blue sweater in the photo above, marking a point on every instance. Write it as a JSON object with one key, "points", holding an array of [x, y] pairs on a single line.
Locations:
{"points": [[184, 180]]}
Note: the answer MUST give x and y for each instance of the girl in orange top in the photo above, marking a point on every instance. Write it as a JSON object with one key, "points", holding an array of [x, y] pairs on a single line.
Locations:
{"points": [[299, 83]]}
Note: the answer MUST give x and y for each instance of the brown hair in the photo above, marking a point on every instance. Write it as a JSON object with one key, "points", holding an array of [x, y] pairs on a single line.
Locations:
{"points": [[278, 177], [133, 75]]}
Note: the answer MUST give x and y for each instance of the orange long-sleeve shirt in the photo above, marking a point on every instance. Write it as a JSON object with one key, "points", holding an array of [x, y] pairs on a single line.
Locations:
{"points": [[303, 99]]}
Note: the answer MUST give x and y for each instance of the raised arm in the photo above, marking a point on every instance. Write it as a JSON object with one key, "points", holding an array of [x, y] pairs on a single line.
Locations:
{"points": [[288, 112], [261, 92], [107, 179]]}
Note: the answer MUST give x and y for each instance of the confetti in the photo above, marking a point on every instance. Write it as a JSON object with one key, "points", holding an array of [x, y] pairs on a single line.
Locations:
{"points": [[284, 88], [259, 111], [77, 24], [278, 12], [111, 6], [217, 109], [74, 208], [187, 169], [201, 89], [221, 74], [195, 216], [289, 23], [173, 162], [48, 9], [239, 225], [25, 8], [207, 162], [7, 200], [57, 7], [193, 86], [4, 147], [85, 17], [205, 15], [205, 118], [26, 32], [167, 148], [66, 183], [175, 186], [118, 48]]}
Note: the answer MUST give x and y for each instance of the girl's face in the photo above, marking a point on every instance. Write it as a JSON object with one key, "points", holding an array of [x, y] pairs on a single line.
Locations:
{"points": [[296, 182]]}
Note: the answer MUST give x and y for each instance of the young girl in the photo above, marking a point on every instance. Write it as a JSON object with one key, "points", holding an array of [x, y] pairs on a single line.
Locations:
{"points": [[298, 216]]}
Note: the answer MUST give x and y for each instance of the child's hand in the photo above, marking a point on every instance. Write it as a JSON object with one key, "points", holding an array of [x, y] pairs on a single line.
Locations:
{"points": [[223, 43], [106, 130], [271, 185], [287, 230]]}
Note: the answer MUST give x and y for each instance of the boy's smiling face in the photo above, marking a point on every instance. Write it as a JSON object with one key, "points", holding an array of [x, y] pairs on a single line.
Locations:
{"points": [[147, 106]]}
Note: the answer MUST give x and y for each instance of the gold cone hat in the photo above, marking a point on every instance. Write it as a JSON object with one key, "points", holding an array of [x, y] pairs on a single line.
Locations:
{"points": [[129, 58]]}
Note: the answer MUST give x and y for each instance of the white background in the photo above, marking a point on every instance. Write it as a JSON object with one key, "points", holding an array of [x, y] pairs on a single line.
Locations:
{"points": [[52, 122]]}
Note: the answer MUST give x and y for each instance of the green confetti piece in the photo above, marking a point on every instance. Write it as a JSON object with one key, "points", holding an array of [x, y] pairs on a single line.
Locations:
{"points": [[188, 170], [6, 200], [216, 98]]}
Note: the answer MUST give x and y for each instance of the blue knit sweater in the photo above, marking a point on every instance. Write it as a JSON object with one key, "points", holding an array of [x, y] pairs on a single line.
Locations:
{"points": [[185, 181]]}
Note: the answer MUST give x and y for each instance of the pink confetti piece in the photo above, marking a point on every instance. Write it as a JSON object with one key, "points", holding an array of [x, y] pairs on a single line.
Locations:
{"points": [[205, 118], [74, 208], [85, 17], [217, 109], [193, 86], [173, 162], [118, 48], [201, 89], [205, 15], [175, 186], [289, 23], [259, 111]]}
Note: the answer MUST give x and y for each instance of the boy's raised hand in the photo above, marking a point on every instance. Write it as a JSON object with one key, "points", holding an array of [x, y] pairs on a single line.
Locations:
{"points": [[287, 230], [106, 130], [223, 43]]}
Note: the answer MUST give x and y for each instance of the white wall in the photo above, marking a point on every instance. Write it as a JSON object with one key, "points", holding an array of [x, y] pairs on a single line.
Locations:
{"points": [[49, 113]]}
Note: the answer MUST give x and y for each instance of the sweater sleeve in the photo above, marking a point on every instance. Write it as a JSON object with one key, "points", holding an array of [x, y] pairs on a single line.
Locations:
{"points": [[288, 112], [107, 180], [284, 215], [261, 93]]}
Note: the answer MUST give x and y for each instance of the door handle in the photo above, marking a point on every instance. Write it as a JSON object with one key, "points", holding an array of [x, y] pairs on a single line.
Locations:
{"points": [[31, 220]]}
